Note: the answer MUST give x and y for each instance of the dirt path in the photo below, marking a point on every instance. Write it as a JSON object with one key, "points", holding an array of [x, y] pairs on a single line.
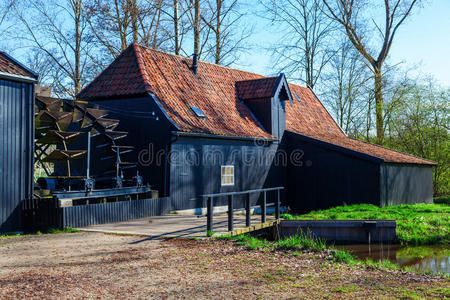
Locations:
{"points": [[96, 265]]}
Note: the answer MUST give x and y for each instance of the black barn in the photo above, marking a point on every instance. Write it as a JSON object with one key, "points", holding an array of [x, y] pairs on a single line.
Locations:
{"points": [[230, 130], [16, 140]]}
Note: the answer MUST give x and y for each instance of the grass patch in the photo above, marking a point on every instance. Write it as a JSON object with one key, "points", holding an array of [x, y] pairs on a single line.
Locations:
{"points": [[295, 243], [301, 241], [381, 264], [252, 243], [345, 289], [344, 257], [10, 235], [209, 233], [65, 230], [49, 231], [418, 224]]}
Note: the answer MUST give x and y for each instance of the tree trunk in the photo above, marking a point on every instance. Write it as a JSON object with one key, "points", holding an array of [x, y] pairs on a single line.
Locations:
{"points": [[218, 31], [176, 24], [197, 28], [134, 25], [77, 74], [379, 105]]}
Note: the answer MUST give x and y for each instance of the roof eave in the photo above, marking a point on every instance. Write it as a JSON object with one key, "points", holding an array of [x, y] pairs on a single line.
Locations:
{"points": [[36, 75], [224, 137], [15, 77]]}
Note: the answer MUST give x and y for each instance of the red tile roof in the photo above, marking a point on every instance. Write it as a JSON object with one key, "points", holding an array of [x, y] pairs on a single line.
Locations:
{"points": [[10, 66], [216, 91], [256, 88]]}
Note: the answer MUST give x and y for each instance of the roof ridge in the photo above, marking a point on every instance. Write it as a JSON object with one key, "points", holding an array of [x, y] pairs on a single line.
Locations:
{"points": [[102, 72], [262, 78], [140, 63], [200, 61], [386, 148]]}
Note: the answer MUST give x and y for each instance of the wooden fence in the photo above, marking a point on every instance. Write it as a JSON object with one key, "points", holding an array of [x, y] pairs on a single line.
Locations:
{"points": [[48, 215]]}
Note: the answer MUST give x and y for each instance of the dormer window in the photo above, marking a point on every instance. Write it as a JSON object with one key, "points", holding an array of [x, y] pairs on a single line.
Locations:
{"points": [[266, 97], [198, 112]]}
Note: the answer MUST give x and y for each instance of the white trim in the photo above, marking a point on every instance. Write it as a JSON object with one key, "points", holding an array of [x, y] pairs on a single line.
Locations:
{"points": [[15, 77], [222, 176]]}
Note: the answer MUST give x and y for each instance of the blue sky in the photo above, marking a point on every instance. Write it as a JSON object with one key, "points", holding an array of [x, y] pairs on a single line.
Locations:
{"points": [[423, 41]]}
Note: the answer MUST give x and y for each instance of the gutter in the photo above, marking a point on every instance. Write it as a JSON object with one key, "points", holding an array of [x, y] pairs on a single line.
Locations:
{"points": [[15, 77], [223, 137]]}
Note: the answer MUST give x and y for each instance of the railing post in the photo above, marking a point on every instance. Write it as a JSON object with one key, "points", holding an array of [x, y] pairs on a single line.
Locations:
{"points": [[230, 213], [277, 206], [209, 221], [247, 210], [263, 208]]}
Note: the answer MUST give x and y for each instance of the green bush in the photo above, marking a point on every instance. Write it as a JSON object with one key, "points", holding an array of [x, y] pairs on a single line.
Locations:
{"points": [[442, 200]]}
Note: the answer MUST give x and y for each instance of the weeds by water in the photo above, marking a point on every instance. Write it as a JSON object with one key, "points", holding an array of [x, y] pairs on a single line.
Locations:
{"points": [[419, 224], [294, 245], [301, 241]]}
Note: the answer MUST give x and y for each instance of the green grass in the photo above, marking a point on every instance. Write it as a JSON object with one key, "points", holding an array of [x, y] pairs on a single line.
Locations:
{"points": [[301, 241], [419, 224], [209, 233], [344, 257], [49, 231]]}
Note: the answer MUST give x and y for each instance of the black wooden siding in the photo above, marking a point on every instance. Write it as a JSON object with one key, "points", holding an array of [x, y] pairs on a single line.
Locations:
{"points": [[195, 169], [324, 177], [16, 151], [85, 215], [406, 184]]}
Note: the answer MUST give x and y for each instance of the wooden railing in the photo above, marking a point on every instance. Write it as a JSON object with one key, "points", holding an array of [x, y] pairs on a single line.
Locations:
{"points": [[210, 206]]}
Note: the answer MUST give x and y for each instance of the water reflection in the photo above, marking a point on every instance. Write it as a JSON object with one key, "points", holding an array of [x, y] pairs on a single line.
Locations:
{"points": [[420, 258]]}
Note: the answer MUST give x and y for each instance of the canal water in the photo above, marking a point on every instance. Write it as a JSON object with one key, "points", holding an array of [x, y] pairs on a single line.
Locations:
{"points": [[420, 258]]}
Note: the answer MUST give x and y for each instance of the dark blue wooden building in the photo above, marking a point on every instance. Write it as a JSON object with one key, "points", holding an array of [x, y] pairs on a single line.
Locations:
{"points": [[229, 130], [16, 140]]}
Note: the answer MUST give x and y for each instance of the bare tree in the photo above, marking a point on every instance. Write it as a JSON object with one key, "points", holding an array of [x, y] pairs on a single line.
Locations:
{"points": [[176, 25], [348, 14], [58, 30], [344, 89], [132, 5], [224, 19], [197, 28], [117, 23], [109, 21], [302, 51]]}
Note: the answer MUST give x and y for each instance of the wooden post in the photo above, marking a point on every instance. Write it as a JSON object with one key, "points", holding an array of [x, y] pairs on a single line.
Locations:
{"points": [[263, 208], [230, 213], [209, 220], [247, 210], [277, 206]]}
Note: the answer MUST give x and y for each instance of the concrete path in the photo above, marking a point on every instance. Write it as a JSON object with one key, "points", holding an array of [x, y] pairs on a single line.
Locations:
{"points": [[170, 226]]}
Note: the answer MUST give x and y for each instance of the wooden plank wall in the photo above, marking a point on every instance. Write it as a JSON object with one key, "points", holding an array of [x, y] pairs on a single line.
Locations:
{"points": [[85, 215]]}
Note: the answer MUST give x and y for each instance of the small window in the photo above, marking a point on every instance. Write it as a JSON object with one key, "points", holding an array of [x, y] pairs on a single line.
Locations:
{"points": [[297, 97], [227, 175], [198, 112]]}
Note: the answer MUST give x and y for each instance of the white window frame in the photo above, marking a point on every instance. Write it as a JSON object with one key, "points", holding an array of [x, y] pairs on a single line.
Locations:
{"points": [[224, 176]]}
